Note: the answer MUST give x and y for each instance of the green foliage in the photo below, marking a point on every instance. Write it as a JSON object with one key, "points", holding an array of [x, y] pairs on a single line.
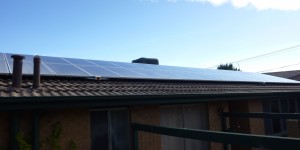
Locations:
{"points": [[228, 66], [53, 140], [23, 143], [72, 145]]}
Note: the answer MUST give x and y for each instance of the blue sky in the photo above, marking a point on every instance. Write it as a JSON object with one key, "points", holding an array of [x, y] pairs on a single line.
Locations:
{"points": [[190, 33]]}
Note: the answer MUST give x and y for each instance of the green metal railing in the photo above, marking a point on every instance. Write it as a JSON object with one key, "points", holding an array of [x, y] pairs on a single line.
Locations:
{"points": [[263, 115], [258, 141], [257, 115]]}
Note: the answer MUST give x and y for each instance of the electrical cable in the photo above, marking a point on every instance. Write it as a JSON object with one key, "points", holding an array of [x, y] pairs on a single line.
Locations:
{"points": [[296, 47], [279, 67]]}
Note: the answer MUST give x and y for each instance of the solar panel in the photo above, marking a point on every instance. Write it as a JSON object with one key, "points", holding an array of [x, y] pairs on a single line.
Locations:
{"points": [[28, 58], [150, 73], [79, 61], [67, 70], [100, 71], [3, 65], [56, 66], [125, 72], [2, 57], [27, 68], [127, 65], [53, 60], [103, 63]]}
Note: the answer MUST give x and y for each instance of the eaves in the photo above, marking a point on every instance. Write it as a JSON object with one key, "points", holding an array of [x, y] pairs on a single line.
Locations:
{"points": [[27, 103]]}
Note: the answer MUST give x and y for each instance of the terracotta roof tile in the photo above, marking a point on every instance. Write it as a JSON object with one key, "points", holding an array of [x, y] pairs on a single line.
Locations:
{"points": [[81, 87]]}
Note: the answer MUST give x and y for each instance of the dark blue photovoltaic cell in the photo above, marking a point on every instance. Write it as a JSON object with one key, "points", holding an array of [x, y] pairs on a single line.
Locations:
{"points": [[178, 74], [142, 66], [3, 67], [2, 57], [79, 62], [54, 60], [67, 70], [99, 71], [150, 73], [125, 72], [128, 65], [103, 63]]}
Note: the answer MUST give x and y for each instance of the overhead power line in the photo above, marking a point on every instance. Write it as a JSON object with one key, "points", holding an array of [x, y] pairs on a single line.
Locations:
{"points": [[296, 47], [279, 68]]}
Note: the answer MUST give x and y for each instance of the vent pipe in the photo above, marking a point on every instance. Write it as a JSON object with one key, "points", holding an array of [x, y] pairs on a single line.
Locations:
{"points": [[143, 60], [17, 71], [36, 71]]}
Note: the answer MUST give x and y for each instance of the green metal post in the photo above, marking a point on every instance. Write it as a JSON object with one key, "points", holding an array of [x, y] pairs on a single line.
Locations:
{"points": [[36, 131], [15, 129], [224, 128], [135, 138]]}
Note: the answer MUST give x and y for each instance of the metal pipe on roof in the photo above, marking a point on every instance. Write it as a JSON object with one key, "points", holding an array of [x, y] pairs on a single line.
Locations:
{"points": [[17, 71], [36, 71]]}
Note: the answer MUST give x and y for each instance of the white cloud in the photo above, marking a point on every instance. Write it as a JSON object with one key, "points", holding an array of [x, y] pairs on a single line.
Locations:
{"points": [[214, 2], [287, 5], [149, 1], [174, 1]]}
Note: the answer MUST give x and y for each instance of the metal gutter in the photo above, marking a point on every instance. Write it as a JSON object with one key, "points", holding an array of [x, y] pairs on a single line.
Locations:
{"points": [[20, 103]]}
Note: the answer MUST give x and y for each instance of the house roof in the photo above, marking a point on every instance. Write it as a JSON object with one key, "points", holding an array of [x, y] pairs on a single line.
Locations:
{"points": [[294, 74], [66, 87], [88, 93]]}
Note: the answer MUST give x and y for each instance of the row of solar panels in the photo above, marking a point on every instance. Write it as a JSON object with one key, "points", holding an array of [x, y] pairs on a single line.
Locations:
{"points": [[71, 67]]}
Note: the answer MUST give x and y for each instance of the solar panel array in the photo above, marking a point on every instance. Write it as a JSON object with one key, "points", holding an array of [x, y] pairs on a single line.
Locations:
{"points": [[72, 67]]}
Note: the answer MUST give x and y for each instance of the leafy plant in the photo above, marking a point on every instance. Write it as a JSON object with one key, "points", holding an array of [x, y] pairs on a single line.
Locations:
{"points": [[53, 140], [23, 143], [228, 66]]}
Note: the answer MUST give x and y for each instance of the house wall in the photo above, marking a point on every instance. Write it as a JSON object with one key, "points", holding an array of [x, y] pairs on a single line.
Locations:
{"points": [[147, 115], [4, 130], [215, 120], [256, 124], [239, 125], [75, 127], [246, 125], [151, 115]]}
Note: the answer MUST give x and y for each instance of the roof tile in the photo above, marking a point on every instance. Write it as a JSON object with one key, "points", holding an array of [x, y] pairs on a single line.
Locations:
{"points": [[81, 87]]}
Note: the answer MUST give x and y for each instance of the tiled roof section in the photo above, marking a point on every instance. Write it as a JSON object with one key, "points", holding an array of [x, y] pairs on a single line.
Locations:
{"points": [[294, 74], [76, 87]]}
